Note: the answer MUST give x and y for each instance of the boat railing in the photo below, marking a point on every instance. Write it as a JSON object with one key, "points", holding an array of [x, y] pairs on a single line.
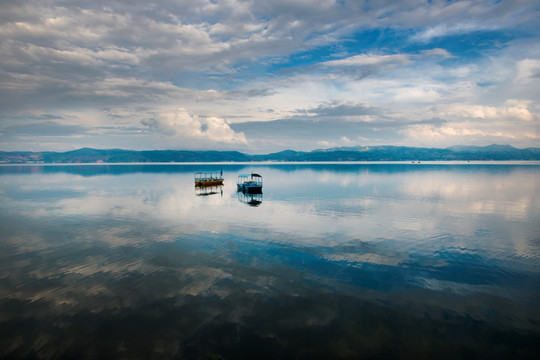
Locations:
{"points": [[208, 176], [249, 179]]}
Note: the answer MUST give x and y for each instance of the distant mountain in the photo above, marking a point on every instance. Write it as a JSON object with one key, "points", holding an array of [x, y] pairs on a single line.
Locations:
{"points": [[497, 152], [357, 153], [404, 153], [87, 155]]}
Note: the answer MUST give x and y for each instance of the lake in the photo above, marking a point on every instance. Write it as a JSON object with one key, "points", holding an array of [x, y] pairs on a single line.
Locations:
{"points": [[332, 261]]}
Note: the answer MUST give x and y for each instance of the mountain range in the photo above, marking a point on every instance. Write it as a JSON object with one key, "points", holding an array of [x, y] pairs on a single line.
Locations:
{"points": [[358, 153]]}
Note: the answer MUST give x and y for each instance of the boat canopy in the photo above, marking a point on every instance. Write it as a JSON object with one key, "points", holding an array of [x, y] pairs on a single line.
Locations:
{"points": [[249, 175], [208, 175], [251, 183]]}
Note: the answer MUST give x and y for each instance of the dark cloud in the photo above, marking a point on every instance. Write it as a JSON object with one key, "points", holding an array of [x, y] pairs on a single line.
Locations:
{"points": [[150, 123], [300, 128], [57, 129], [248, 93], [338, 109], [333, 123], [304, 134]]}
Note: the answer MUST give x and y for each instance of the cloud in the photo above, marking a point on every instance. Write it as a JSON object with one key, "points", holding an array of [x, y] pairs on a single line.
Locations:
{"points": [[475, 124], [528, 70], [348, 111], [364, 65], [176, 38], [443, 19], [443, 30], [47, 128], [438, 52], [465, 132], [179, 124], [329, 124], [513, 110], [343, 141], [370, 60], [118, 64]]}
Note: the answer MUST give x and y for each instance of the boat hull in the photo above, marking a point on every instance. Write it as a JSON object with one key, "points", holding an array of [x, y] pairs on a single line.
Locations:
{"points": [[205, 183]]}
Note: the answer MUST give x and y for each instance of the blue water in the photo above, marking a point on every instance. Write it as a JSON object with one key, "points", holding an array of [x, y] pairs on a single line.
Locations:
{"points": [[332, 261]]}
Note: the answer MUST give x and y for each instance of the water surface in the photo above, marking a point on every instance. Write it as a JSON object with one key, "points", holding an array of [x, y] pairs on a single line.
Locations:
{"points": [[331, 261]]}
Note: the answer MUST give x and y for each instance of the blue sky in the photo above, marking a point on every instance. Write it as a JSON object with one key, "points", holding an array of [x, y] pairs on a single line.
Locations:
{"points": [[264, 76]]}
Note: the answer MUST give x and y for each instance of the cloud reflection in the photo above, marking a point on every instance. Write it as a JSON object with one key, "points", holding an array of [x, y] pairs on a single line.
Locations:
{"points": [[338, 245]]}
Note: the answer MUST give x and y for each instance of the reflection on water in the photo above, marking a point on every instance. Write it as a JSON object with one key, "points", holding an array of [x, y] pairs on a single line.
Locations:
{"points": [[340, 261], [249, 198], [208, 190]]}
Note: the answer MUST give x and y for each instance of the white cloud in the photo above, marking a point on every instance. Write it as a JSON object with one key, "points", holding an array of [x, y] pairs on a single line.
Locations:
{"points": [[469, 132], [370, 60], [179, 124], [442, 30], [512, 110], [528, 70], [418, 93], [438, 52], [343, 141]]}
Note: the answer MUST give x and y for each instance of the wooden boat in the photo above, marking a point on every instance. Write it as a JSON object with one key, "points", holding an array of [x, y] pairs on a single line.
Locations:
{"points": [[249, 183], [208, 179]]}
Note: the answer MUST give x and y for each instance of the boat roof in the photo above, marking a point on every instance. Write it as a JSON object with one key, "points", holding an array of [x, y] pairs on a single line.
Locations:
{"points": [[248, 175]]}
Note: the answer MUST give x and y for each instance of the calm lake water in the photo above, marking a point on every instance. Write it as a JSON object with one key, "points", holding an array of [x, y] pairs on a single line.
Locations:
{"points": [[344, 261]]}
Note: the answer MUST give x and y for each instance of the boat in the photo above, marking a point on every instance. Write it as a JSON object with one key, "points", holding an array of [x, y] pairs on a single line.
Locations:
{"points": [[203, 179], [249, 183]]}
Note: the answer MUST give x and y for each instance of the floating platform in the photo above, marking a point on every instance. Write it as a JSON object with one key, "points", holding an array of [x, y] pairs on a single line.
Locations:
{"points": [[204, 179]]}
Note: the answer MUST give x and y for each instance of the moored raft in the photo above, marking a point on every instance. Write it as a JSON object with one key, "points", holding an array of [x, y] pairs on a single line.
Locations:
{"points": [[203, 179]]}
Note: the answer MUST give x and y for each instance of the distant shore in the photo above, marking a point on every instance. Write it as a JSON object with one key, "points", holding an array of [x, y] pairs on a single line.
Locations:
{"points": [[346, 154]]}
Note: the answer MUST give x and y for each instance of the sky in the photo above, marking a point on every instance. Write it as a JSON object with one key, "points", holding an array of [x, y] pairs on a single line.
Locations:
{"points": [[262, 76]]}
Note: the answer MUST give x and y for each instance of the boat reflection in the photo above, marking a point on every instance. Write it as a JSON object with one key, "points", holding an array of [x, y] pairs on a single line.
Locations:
{"points": [[208, 190], [249, 198]]}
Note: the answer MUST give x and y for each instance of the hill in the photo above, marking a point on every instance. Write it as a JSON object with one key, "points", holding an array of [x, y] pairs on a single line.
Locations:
{"points": [[404, 153], [359, 153]]}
